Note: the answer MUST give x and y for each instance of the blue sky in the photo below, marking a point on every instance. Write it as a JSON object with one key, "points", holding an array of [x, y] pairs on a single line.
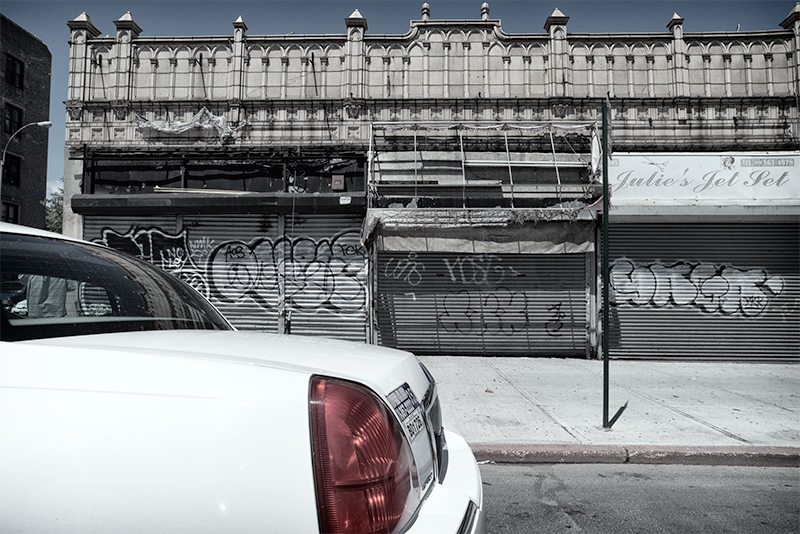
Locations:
{"points": [[48, 21]]}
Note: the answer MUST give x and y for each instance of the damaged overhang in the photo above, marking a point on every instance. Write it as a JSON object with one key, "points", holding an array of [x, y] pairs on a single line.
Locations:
{"points": [[562, 230]]}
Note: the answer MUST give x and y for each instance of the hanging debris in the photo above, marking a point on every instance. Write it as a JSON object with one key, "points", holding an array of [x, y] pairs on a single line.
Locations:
{"points": [[203, 119]]}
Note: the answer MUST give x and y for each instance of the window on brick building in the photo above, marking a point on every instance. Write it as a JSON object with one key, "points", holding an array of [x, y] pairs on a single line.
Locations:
{"points": [[10, 213], [15, 70], [13, 119], [12, 169]]}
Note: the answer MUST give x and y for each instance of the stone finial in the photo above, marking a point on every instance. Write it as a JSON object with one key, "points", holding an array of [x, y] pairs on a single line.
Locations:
{"points": [[426, 12], [356, 20], [556, 19], [485, 11], [794, 16], [126, 22], [239, 24], [675, 21], [83, 22]]}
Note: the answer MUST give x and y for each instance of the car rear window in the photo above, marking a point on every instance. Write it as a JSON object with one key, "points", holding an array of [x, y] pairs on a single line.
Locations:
{"points": [[55, 288]]}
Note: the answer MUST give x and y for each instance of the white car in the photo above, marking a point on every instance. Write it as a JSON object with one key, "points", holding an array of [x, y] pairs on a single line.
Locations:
{"points": [[129, 404]]}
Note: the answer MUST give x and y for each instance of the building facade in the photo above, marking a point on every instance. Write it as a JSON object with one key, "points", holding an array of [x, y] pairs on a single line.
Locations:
{"points": [[25, 82], [440, 190]]}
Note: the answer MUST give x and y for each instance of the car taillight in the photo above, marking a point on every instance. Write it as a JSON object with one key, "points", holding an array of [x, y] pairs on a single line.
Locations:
{"points": [[362, 462]]}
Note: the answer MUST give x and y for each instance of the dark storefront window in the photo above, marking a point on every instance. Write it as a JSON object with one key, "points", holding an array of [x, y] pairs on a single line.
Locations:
{"points": [[124, 177], [133, 177], [234, 176]]}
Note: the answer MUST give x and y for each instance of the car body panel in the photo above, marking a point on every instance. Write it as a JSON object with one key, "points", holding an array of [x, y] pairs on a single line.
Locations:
{"points": [[454, 492], [145, 413], [194, 430], [187, 444]]}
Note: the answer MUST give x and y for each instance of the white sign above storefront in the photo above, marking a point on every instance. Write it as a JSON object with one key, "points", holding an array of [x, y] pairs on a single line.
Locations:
{"points": [[669, 178]]}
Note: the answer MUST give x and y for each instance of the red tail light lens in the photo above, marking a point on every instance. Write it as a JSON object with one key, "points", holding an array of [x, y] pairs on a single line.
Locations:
{"points": [[362, 463]]}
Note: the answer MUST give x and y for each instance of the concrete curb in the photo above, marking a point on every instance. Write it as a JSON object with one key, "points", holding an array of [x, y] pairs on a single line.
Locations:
{"points": [[639, 454]]}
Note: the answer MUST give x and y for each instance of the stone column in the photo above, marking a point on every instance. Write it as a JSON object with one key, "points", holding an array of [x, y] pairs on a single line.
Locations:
{"points": [[792, 22], [305, 62], [264, 76], [406, 74], [466, 46], [355, 54], [323, 67], [526, 75], [385, 77], [239, 45], [506, 76], [446, 72], [610, 75], [556, 26], [629, 61], [726, 59], [770, 75], [748, 66], [426, 70], [707, 74], [127, 32], [679, 53], [81, 30]]}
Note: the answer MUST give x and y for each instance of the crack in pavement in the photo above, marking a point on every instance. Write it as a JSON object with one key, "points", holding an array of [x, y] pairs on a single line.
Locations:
{"points": [[533, 400]]}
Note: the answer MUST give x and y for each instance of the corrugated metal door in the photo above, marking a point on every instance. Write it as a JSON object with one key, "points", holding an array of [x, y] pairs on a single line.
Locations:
{"points": [[326, 276], [482, 304], [236, 261], [705, 291], [228, 258], [267, 272]]}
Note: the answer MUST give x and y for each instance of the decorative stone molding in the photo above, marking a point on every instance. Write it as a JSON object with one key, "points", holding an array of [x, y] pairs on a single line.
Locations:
{"points": [[353, 109], [120, 109], [74, 110], [559, 110]]}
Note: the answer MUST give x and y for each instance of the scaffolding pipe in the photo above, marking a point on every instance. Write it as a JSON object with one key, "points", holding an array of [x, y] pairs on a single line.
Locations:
{"points": [[555, 162], [510, 176], [370, 169], [463, 169], [415, 161]]}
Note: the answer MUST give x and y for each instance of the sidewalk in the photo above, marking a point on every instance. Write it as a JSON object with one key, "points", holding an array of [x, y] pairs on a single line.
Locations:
{"points": [[550, 410]]}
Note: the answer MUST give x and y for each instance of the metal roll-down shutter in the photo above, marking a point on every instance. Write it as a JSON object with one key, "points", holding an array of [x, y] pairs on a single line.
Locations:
{"points": [[705, 291], [482, 304]]}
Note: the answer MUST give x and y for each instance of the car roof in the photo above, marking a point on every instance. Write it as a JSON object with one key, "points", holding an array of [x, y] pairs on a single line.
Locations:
{"points": [[8, 228]]}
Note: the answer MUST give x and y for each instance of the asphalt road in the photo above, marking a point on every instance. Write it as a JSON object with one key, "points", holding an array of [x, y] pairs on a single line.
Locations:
{"points": [[629, 498]]}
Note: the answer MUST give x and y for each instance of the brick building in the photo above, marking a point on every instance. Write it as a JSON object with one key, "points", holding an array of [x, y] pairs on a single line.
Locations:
{"points": [[25, 82], [439, 190]]}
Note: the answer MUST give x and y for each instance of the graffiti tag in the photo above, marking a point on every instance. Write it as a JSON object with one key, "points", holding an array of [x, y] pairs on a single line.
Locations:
{"points": [[500, 311], [314, 274], [711, 288]]}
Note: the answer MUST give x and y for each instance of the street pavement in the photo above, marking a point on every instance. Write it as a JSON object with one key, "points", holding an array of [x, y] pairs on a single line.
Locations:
{"points": [[685, 412]]}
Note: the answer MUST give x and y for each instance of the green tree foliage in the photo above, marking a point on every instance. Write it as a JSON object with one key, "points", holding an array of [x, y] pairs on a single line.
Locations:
{"points": [[54, 210]]}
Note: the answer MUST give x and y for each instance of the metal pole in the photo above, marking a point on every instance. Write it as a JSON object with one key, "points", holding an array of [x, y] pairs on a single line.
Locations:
{"points": [[370, 164], [510, 175], [605, 277]]}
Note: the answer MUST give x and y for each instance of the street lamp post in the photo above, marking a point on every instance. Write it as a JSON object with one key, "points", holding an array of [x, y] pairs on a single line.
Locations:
{"points": [[42, 124]]}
